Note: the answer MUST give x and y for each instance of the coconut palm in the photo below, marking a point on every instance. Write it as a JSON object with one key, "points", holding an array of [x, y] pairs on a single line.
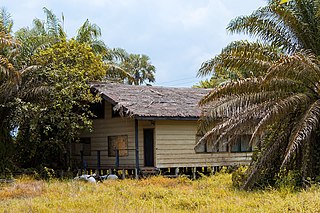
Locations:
{"points": [[281, 107]]}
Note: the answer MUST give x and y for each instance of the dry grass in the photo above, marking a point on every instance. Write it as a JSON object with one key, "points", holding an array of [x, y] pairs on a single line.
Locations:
{"points": [[157, 194]]}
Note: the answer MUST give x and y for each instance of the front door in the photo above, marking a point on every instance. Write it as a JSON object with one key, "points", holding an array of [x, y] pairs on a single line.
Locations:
{"points": [[148, 147]]}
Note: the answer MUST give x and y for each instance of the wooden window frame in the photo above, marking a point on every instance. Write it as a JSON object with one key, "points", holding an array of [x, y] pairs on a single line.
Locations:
{"points": [[207, 147]]}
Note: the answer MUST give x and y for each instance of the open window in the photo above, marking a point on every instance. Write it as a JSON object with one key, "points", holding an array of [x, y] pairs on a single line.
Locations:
{"points": [[114, 113], [209, 148], [98, 110], [242, 144]]}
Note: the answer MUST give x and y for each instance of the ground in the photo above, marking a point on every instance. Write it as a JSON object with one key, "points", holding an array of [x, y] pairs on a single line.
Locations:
{"points": [[156, 194]]}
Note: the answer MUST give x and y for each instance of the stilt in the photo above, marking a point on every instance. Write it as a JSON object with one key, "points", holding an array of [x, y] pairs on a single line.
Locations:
{"points": [[123, 174], [136, 173], [177, 171], [194, 173]]}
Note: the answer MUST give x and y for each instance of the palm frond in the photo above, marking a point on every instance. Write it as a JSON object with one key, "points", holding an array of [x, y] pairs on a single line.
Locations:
{"points": [[266, 25], [279, 110], [232, 89], [247, 59], [306, 126], [53, 25]]}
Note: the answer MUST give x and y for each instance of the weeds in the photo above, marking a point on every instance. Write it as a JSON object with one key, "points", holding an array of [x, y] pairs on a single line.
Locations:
{"points": [[156, 194]]}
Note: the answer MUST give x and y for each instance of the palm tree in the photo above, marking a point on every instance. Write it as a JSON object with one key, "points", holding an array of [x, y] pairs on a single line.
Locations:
{"points": [[280, 103], [139, 68], [90, 33], [128, 68], [43, 34], [281, 29], [9, 78]]}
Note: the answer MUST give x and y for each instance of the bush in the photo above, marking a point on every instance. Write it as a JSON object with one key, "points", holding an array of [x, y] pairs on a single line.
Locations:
{"points": [[288, 180], [239, 176]]}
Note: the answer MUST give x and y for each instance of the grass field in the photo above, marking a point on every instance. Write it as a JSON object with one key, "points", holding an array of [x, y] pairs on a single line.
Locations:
{"points": [[156, 194]]}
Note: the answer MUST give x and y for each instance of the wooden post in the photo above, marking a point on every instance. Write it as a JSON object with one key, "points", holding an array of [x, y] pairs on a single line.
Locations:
{"points": [[117, 158], [194, 170], [98, 162], [83, 163], [136, 173], [136, 128], [177, 171], [123, 174]]}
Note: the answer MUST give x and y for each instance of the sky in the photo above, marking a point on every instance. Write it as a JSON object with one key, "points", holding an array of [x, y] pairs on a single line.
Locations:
{"points": [[177, 35]]}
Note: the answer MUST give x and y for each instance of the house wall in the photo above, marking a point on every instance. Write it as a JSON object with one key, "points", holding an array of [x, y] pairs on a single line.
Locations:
{"points": [[102, 128], [175, 141], [174, 144]]}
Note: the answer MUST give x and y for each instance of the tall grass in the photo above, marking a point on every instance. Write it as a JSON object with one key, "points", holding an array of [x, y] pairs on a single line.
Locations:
{"points": [[156, 194]]}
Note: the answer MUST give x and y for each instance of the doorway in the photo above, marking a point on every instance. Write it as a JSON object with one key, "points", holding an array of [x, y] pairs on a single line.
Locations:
{"points": [[148, 147]]}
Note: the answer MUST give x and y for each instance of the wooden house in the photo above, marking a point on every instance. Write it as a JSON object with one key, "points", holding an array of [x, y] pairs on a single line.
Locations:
{"points": [[143, 127]]}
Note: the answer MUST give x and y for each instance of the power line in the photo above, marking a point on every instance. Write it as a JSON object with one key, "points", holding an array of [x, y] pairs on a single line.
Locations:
{"points": [[166, 82], [182, 83]]}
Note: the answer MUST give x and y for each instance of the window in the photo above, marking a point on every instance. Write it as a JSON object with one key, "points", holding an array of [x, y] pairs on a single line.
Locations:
{"points": [[220, 147], [242, 144], [207, 147], [98, 110], [114, 114], [119, 142], [84, 146]]}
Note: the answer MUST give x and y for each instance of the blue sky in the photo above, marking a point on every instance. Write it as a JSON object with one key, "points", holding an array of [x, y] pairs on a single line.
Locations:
{"points": [[177, 35]]}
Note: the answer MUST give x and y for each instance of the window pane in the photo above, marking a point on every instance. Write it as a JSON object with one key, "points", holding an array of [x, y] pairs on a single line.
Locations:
{"points": [[245, 139], [236, 147], [203, 147]]}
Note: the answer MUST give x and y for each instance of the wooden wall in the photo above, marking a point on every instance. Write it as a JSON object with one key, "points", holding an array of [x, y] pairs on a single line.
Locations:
{"points": [[175, 141], [102, 128], [174, 144]]}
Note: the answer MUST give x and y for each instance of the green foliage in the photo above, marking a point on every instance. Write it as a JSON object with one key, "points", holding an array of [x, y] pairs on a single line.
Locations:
{"points": [[44, 88], [89, 34], [239, 176], [277, 96], [64, 70], [128, 68], [213, 82], [288, 180], [9, 79]]}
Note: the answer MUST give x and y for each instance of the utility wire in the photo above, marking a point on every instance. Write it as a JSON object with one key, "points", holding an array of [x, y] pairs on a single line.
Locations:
{"points": [[166, 82]]}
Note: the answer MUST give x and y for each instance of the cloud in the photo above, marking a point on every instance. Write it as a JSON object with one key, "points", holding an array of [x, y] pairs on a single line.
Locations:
{"points": [[178, 35]]}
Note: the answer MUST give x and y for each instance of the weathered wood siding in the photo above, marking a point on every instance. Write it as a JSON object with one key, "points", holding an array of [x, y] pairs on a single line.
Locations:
{"points": [[175, 141], [102, 128]]}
